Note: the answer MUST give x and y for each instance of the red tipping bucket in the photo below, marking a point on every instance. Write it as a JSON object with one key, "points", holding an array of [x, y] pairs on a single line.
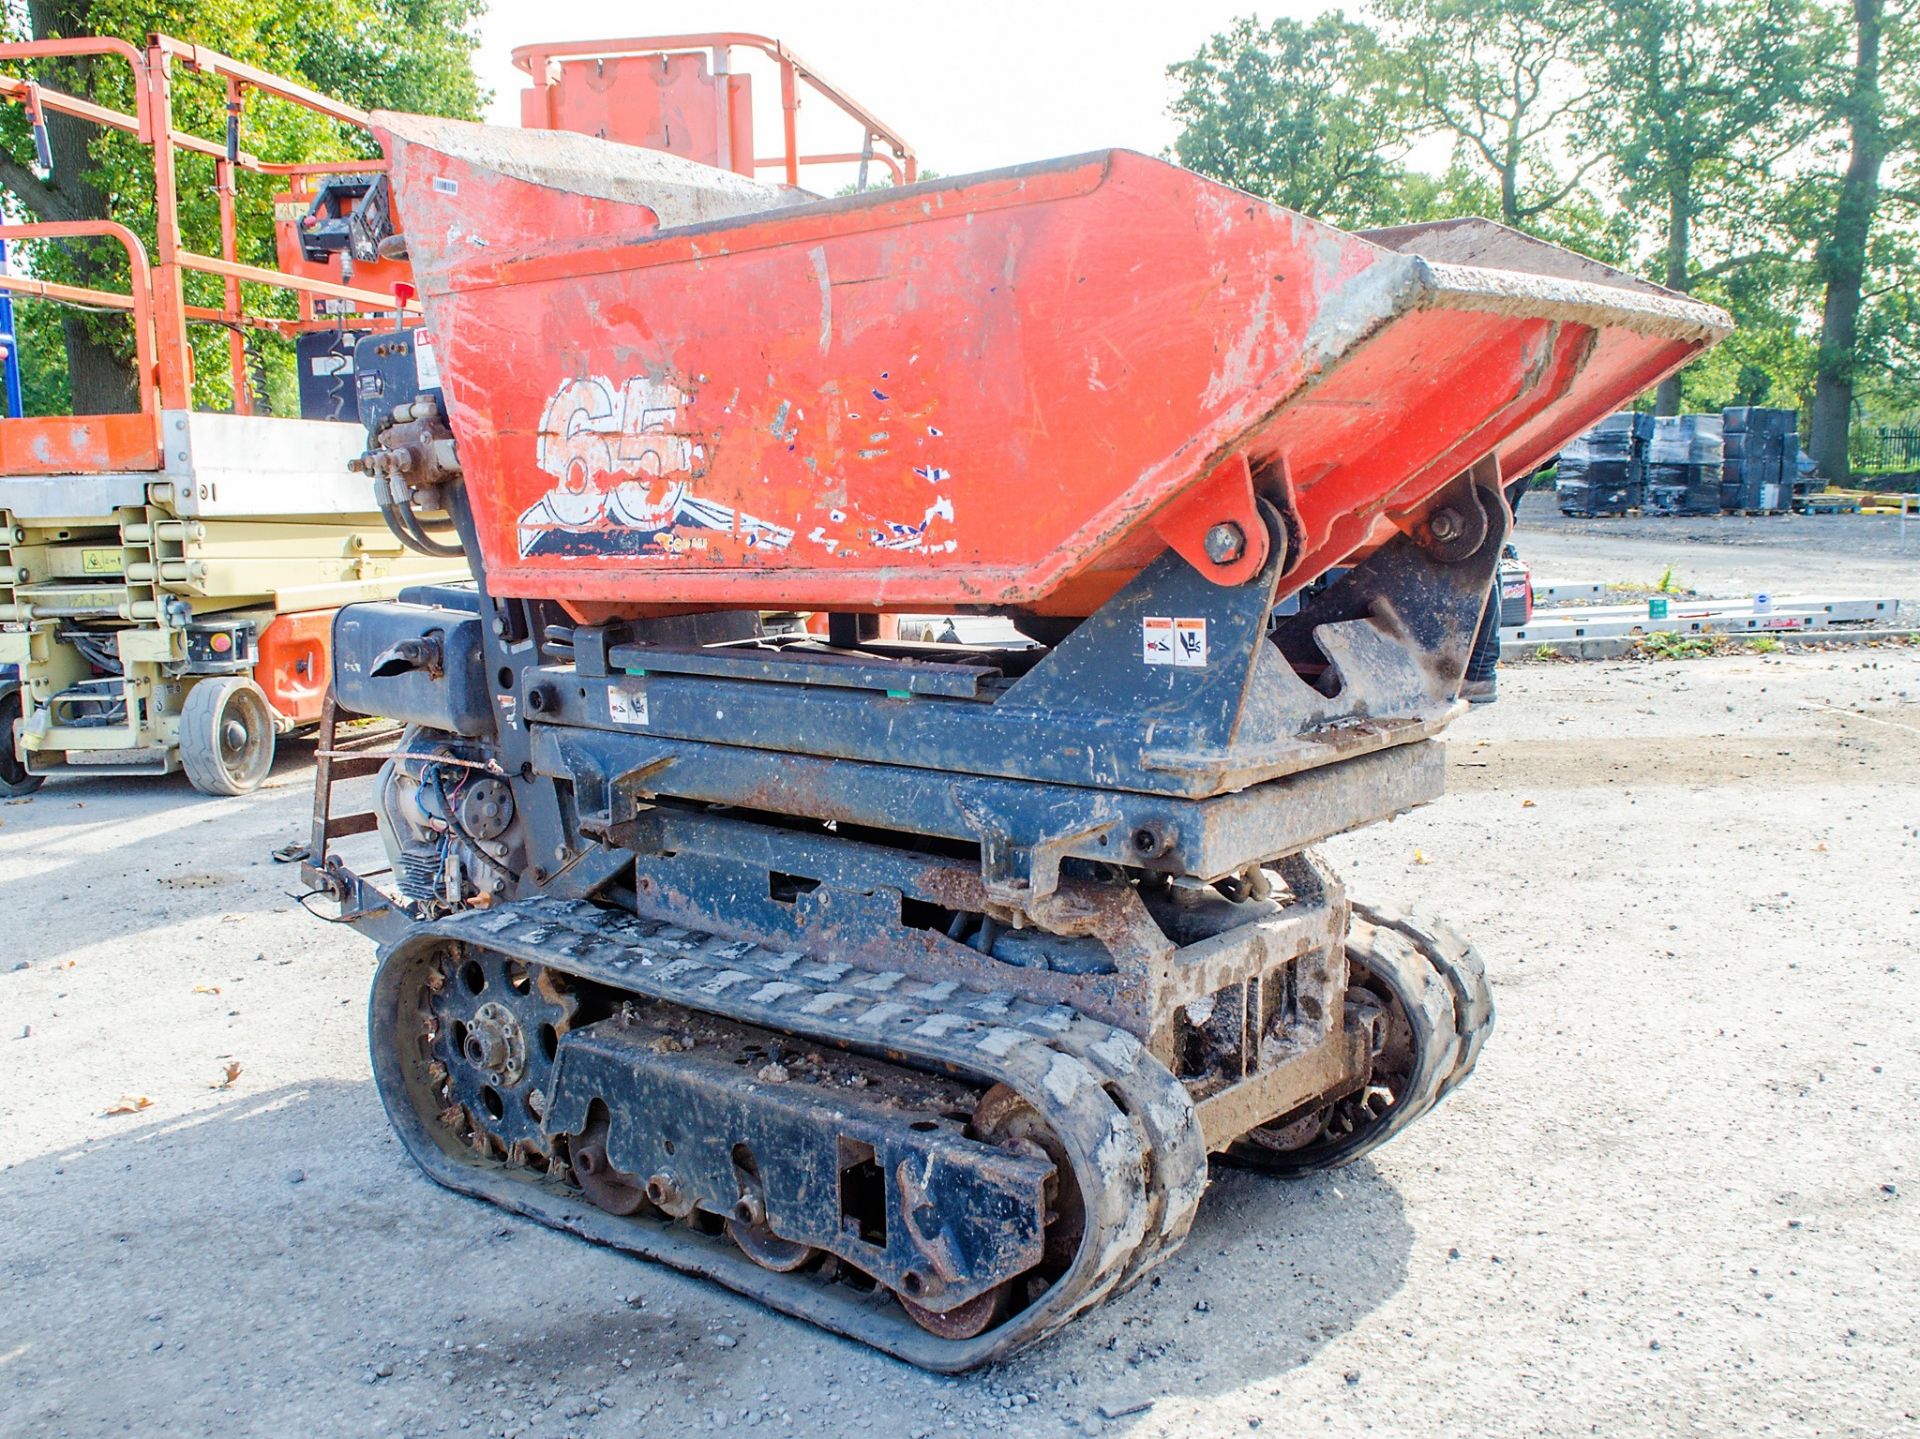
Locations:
{"points": [[673, 387]]}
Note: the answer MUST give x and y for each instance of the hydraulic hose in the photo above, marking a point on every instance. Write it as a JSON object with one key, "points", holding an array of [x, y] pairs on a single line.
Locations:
{"points": [[409, 532]]}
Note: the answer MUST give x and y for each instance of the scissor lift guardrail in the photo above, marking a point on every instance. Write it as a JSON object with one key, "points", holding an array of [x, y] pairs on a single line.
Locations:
{"points": [[148, 553]]}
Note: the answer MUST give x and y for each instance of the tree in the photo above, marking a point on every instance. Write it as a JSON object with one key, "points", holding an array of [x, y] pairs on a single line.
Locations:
{"points": [[406, 54], [1883, 46], [1706, 99], [1310, 115], [1500, 77]]}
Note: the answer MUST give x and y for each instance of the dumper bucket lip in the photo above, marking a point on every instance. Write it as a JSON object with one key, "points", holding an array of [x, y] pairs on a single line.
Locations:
{"points": [[589, 166], [1560, 284], [1484, 247], [1663, 315]]}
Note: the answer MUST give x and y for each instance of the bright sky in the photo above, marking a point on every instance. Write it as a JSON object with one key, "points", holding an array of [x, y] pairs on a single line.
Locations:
{"points": [[971, 85]]}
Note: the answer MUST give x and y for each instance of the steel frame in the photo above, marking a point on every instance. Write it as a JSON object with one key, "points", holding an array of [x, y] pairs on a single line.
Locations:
{"points": [[156, 297], [542, 64]]}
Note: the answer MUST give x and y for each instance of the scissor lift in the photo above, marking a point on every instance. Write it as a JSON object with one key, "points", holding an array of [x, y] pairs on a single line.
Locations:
{"points": [[168, 576]]}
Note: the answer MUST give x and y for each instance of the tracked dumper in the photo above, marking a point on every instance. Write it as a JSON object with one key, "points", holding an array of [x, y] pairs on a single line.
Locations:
{"points": [[910, 987]]}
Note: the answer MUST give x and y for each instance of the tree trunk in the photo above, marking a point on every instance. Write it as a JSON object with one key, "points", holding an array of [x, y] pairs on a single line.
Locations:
{"points": [[1666, 399], [99, 360], [1842, 259]]}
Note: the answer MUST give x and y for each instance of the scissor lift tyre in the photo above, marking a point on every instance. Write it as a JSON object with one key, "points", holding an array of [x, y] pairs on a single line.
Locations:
{"points": [[226, 736], [14, 779]]}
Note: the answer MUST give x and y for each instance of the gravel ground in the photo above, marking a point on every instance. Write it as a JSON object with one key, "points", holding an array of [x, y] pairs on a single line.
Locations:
{"points": [[1677, 1197]]}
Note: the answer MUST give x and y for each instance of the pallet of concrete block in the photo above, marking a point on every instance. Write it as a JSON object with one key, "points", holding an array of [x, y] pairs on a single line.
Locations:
{"points": [[1761, 459], [1683, 473], [1600, 472]]}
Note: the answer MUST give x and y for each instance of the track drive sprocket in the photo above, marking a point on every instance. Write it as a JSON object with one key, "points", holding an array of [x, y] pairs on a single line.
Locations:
{"points": [[493, 1026]]}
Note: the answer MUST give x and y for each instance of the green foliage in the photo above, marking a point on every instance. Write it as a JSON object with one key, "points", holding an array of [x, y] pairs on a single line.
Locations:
{"points": [[43, 358], [1666, 645], [402, 54], [1308, 114], [1703, 143], [1499, 77]]}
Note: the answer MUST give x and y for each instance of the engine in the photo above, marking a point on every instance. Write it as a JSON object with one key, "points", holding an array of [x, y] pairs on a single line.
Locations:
{"points": [[451, 831]]}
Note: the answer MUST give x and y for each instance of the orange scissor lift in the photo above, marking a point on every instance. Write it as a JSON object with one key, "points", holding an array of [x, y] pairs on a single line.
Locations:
{"points": [[168, 576]]}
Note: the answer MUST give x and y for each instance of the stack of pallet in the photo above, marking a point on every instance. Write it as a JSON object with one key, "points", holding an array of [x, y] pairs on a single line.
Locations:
{"points": [[1602, 471], [1762, 459], [1684, 465]]}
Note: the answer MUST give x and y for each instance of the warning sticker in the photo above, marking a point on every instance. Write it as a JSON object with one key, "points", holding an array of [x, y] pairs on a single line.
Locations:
{"points": [[626, 704], [1165, 640], [1190, 643], [1156, 639], [426, 363]]}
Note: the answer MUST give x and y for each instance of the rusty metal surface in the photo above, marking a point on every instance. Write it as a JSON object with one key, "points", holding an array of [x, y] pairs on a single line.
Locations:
{"points": [[1312, 1076], [1421, 1001], [1094, 1091]]}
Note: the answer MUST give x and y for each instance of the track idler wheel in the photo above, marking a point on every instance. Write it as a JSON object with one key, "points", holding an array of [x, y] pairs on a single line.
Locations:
{"points": [[1427, 992], [747, 1227], [767, 1249], [1460, 965], [1003, 1118], [976, 1316], [493, 1026], [608, 1188]]}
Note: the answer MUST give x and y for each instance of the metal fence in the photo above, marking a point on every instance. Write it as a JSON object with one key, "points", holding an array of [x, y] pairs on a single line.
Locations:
{"points": [[1885, 447]]}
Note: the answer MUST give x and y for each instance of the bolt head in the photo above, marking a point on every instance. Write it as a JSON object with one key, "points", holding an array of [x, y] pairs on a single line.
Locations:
{"points": [[1444, 524], [1225, 542]]}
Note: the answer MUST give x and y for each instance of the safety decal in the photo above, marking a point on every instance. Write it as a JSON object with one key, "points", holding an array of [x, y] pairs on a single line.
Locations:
{"points": [[1166, 640], [426, 361], [627, 704]]}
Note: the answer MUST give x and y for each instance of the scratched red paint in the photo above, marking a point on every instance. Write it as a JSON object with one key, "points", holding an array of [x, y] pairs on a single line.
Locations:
{"points": [[978, 391]]}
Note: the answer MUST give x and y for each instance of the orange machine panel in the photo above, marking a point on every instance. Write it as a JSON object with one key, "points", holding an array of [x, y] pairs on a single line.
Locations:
{"points": [[295, 660], [1007, 389], [79, 444], [662, 102]]}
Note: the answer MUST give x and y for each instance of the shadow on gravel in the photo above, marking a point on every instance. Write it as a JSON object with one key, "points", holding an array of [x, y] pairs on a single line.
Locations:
{"points": [[252, 1268], [1273, 1271]]}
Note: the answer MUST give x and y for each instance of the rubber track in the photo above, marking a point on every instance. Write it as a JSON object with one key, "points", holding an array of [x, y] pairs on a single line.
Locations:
{"points": [[1445, 985], [1459, 963], [1129, 1126]]}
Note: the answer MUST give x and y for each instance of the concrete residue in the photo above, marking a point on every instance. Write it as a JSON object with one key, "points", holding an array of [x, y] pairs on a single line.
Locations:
{"points": [[679, 191], [1550, 297]]}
